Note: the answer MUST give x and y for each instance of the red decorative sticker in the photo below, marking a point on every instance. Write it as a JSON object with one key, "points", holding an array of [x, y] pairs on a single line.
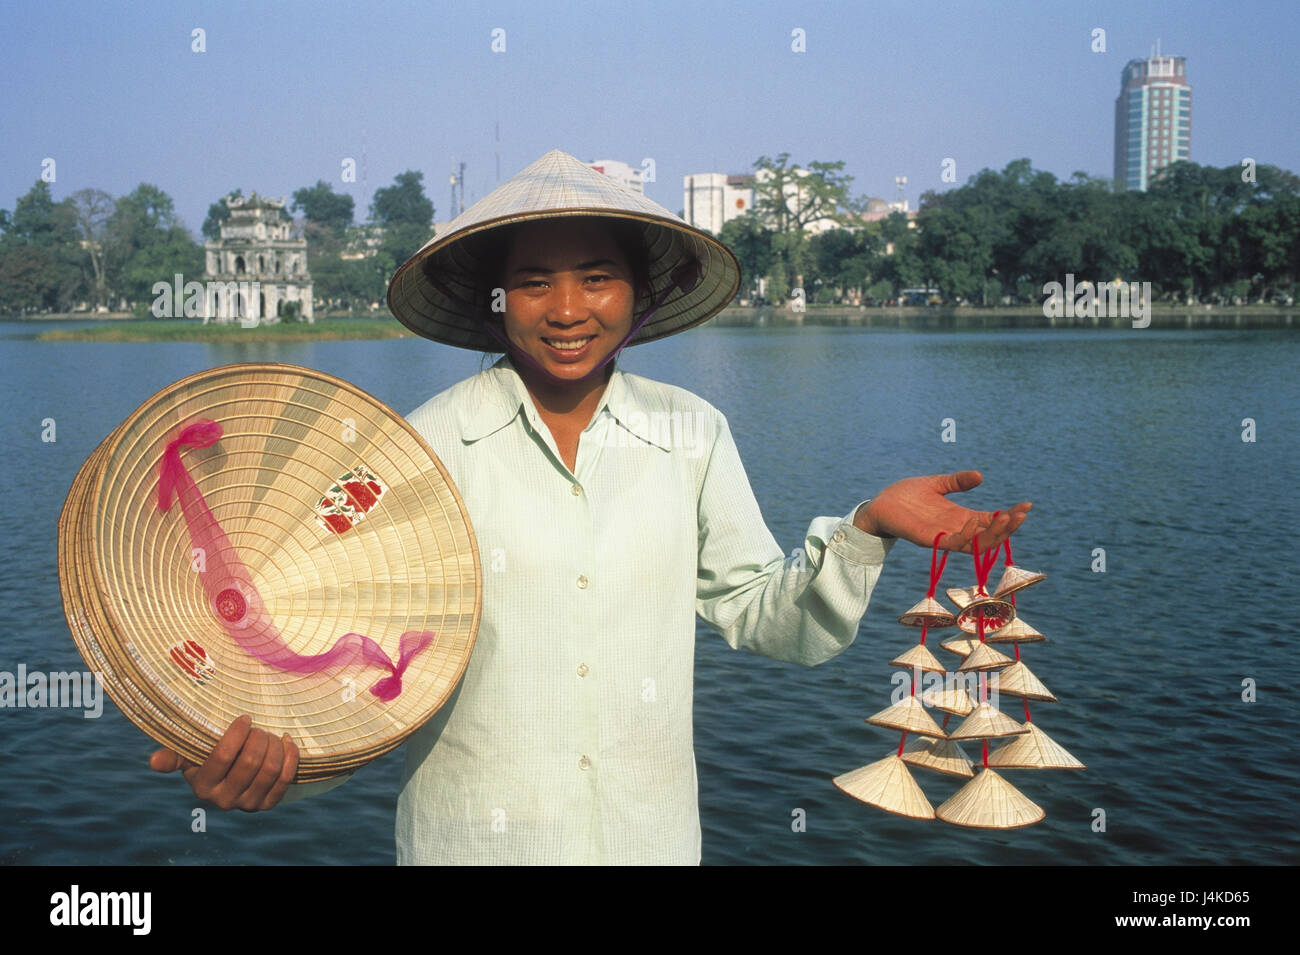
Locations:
{"points": [[193, 659], [349, 500]]}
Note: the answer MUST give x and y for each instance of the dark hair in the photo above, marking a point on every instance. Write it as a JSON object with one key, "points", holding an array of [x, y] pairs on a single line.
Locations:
{"points": [[492, 248]]}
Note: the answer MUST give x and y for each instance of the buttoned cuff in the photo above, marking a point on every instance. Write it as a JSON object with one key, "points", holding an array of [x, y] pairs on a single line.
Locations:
{"points": [[853, 543]]}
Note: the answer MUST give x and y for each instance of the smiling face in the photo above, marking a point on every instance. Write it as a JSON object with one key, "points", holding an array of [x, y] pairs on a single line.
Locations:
{"points": [[569, 294]]}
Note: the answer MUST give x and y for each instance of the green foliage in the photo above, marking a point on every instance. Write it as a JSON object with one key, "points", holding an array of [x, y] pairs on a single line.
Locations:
{"points": [[403, 203], [218, 213], [321, 205]]}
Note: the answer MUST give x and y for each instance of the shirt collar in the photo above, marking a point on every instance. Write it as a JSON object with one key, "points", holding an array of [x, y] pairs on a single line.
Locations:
{"points": [[500, 395]]}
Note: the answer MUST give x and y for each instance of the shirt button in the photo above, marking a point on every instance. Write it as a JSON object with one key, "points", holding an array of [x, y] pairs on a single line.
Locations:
{"points": [[584, 763], [838, 537], [582, 582], [576, 489], [582, 669]]}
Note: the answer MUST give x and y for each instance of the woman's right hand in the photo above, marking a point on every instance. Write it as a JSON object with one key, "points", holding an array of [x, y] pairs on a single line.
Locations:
{"points": [[250, 769]]}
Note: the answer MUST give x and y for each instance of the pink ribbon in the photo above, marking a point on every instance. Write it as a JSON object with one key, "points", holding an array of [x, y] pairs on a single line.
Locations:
{"points": [[234, 599]]}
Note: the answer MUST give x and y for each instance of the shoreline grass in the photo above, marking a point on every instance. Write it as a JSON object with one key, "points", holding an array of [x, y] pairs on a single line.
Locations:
{"points": [[171, 330]]}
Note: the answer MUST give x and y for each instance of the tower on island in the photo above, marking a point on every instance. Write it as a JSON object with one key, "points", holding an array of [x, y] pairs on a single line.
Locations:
{"points": [[261, 268]]}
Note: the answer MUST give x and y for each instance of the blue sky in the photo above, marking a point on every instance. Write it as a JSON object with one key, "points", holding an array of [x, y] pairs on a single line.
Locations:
{"points": [[286, 91]]}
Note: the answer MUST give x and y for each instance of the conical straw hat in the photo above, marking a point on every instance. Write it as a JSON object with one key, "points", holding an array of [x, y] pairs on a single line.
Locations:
{"points": [[941, 755], [1019, 680], [990, 802], [918, 657], [928, 613], [950, 699], [983, 657], [1017, 631], [391, 563], [986, 722], [961, 596], [1033, 750], [438, 292], [908, 714], [997, 614], [1016, 578], [887, 784], [962, 646]]}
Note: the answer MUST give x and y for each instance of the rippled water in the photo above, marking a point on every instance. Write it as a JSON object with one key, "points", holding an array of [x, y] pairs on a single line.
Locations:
{"points": [[1124, 440]]}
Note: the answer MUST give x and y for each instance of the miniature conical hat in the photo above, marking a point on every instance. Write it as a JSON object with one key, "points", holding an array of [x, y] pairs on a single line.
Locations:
{"points": [[1017, 631], [984, 657], [908, 714], [961, 596], [1033, 750], [941, 755], [918, 657], [990, 802], [949, 699], [1019, 680], [390, 559], [887, 784], [441, 291], [997, 614], [928, 613], [986, 722], [1016, 578], [962, 646]]}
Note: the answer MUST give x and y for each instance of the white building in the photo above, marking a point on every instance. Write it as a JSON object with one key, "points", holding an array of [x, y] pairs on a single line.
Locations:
{"points": [[712, 199], [629, 177]]}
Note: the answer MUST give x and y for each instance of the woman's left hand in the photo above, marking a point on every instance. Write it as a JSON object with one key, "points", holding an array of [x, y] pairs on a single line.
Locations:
{"points": [[916, 510]]}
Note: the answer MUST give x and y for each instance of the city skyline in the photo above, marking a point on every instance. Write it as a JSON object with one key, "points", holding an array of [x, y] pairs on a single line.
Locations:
{"points": [[1008, 81]]}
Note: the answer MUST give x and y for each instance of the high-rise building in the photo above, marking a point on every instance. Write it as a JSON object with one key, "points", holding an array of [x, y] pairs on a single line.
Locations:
{"points": [[629, 177], [1153, 119]]}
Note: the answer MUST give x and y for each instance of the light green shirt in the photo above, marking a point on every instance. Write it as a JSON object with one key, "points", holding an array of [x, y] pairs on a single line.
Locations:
{"points": [[569, 739]]}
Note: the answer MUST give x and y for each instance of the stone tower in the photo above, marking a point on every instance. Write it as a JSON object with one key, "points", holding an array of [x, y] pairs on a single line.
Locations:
{"points": [[257, 264]]}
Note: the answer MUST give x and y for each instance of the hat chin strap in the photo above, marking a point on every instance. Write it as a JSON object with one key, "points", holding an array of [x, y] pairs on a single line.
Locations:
{"points": [[685, 277]]}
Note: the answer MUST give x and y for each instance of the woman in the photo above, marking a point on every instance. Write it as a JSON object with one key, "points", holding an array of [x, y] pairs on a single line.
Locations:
{"points": [[610, 511]]}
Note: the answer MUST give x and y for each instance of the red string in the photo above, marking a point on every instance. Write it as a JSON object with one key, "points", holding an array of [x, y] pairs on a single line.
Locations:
{"points": [[901, 741], [936, 569]]}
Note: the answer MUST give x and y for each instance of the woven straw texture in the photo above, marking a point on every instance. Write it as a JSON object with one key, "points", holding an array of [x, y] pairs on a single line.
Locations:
{"points": [[135, 600]]}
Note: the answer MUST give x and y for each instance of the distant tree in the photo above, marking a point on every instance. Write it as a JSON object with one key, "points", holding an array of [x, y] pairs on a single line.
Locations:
{"points": [[218, 213], [150, 243], [94, 207], [321, 205], [40, 254], [403, 203]]}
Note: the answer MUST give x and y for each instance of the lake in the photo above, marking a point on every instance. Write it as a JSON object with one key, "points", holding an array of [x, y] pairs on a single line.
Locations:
{"points": [[1126, 440]]}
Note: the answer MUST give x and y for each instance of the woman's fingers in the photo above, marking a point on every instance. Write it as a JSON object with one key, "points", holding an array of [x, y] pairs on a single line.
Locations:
{"points": [[248, 769]]}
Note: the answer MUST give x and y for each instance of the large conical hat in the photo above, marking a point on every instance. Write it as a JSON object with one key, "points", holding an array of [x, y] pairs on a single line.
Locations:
{"points": [[1033, 750], [1019, 680], [983, 657], [941, 755], [1017, 631], [320, 573], [908, 714], [928, 612], [990, 802], [1015, 579], [986, 722], [887, 784], [438, 292], [918, 657]]}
